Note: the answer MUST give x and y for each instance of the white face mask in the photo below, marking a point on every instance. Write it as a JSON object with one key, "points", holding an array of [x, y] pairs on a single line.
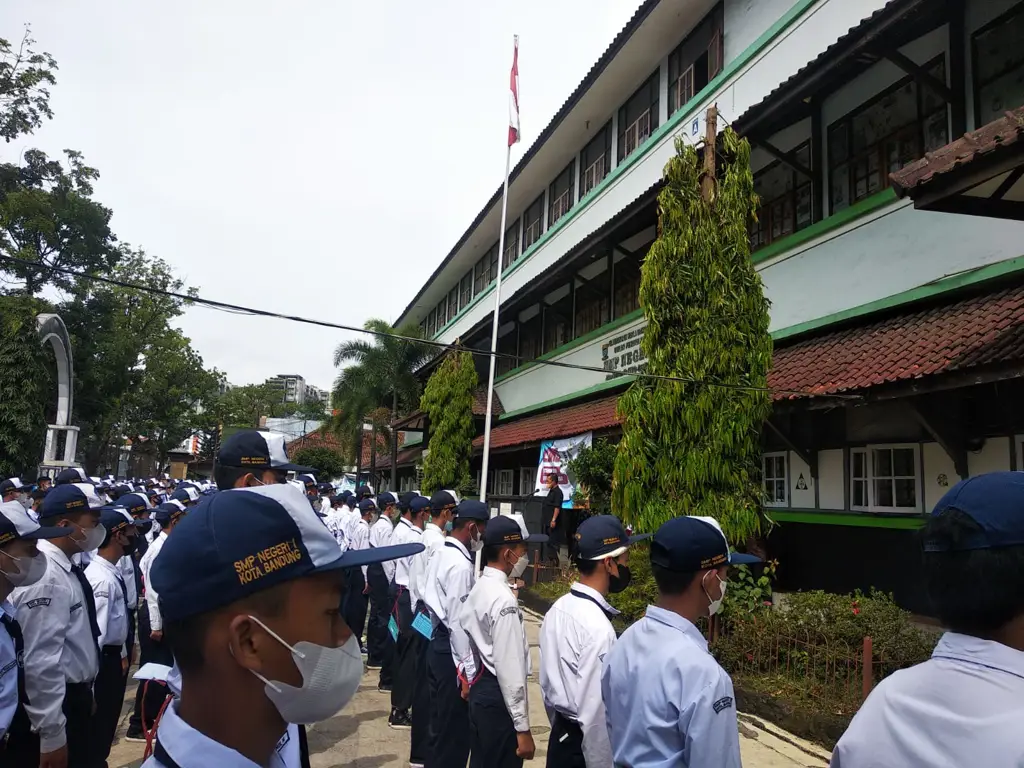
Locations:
{"points": [[477, 542], [28, 570], [520, 567], [330, 678], [715, 604], [91, 539]]}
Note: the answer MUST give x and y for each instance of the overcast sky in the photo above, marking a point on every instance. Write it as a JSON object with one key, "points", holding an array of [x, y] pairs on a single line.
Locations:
{"points": [[310, 157]]}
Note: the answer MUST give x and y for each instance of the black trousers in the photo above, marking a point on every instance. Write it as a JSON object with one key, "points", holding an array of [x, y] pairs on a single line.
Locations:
{"points": [[493, 736], [130, 642], [150, 695], [109, 693], [421, 738], [23, 745], [387, 661], [380, 609], [407, 655], [354, 609], [449, 712], [565, 747]]}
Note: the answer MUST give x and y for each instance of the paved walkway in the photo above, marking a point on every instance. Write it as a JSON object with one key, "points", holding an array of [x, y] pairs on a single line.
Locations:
{"points": [[360, 737]]}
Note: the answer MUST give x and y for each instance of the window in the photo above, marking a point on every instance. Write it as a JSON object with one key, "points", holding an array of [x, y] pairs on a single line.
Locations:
{"points": [[595, 160], [485, 270], [529, 339], [527, 481], [533, 223], [893, 129], [431, 323], [884, 478], [560, 196], [557, 318], [511, 246], [638, 117], [999, 66], [696, 61], [593, 297], [442, 313], [774, 479], [507, 345], [453, 302], [627, 287], [785, 200], [506, 482], [466, 289]]}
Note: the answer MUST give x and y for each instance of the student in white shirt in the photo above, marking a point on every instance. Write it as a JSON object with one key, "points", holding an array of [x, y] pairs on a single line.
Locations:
{"points": [[409, 530], [358, 590], [378, 577], [965, 705]]}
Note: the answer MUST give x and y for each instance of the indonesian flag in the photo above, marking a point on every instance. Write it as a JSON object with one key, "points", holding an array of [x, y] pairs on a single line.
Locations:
{"points": [[513, 98]]}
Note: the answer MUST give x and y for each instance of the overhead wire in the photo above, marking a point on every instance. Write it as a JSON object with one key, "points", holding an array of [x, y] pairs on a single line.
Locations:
{"points": [[445, 346]]}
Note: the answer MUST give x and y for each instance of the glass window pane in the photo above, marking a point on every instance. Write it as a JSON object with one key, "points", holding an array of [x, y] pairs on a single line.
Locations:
{"points": [[903, 462], [906, 493], [883, 493], [882, 462], [859, 464], [859, 493]]}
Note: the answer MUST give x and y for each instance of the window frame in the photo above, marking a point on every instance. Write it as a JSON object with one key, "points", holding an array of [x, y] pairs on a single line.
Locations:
{"points": [[565, 198], [683, 60], [846, 122], [527, 481], [602, 141], [505, 478], [976, 83], [441, 313], [784, 455], [868, 452], [529, 237], [511, 246], [651, 86], [764, 222], [466, 293], [485, 270]]}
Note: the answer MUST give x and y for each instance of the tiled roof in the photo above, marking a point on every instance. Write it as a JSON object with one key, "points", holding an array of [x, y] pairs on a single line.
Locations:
{"points": [[480, 403], [408, 456], [325, 438], [574, 420], [969, 333], [999, 133]]}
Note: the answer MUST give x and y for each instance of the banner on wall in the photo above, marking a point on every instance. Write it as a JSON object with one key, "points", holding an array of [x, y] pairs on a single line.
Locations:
{"points": [[555, 456]]}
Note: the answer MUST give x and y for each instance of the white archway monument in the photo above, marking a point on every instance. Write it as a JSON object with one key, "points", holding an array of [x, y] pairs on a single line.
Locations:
{"points": [[52, 331]]}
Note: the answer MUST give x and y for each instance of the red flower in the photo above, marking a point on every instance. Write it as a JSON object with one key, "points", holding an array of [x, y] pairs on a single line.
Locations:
{"points": [[768, 602], [750, 657], [856, 611]]}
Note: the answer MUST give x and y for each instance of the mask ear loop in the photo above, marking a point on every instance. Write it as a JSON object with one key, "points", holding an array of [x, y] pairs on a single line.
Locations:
{"points": [[279, 639]]}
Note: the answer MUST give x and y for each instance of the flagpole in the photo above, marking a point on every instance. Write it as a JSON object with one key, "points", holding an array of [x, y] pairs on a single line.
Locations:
{"points": [[494, 331]]}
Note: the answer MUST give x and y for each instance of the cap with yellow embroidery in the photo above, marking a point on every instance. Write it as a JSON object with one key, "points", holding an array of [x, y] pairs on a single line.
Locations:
{"points": [[16, 524], [246, 540]]}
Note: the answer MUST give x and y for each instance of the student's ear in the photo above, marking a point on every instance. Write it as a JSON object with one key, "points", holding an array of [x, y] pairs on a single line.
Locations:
{"points": [[247, 642]]}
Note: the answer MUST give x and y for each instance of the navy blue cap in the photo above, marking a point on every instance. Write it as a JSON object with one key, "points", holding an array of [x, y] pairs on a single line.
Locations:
{"points": [[70, 499], [246, 540], [995, 501], [252, 449], [367, 504], [405, 499], [16, 524], [185, 494], [325, 487], [133, 503], [345, 494], [71, 475], [116, 519], [418, 504], [364, 490], [603, 536], [307, 480], [169, 511], [11, 484], [505, 530], [384, 499], [471, 509], [691, 544], [442, 499]]}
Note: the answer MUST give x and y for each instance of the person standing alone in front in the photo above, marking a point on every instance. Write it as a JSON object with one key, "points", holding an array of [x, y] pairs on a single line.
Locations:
{"points": [[58, 620]]}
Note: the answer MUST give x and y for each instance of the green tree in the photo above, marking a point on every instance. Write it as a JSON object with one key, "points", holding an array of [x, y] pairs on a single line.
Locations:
{"points": [[379, 385], [247, 406], [327, 462], [24, 387], [24, 97], [593, 468], [448, 403], [692, 447]]}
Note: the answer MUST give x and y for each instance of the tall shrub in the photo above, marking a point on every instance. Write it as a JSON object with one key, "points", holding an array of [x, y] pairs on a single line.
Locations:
{"points": [[448, 402], [24, 388], [692, 447]]}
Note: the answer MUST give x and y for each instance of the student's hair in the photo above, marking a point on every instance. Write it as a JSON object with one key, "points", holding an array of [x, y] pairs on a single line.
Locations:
{"points": [[226, 477], [186, 637], [587, 567], [38, 495], [672, 582], [974, 591], [462, 522], [75, 517], [106, 539], [492, 553]]}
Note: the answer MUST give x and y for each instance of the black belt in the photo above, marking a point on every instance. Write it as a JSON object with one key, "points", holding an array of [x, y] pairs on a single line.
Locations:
{"points": [[69, 686], [108, 649], [441, 631]]}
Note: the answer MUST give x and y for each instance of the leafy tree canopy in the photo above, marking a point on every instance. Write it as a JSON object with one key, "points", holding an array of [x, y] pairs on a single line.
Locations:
{"points": [[24, 388], [327, 462], [692, 447], [448, 404], [593, 468], [24, 97], [246, 406]]}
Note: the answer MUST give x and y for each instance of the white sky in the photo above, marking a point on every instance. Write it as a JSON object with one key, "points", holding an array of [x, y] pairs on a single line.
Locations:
{"points": [[310, 157]]}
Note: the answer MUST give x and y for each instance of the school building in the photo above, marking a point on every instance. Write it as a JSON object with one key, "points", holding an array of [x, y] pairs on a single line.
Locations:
{"points": [[889, 243]]}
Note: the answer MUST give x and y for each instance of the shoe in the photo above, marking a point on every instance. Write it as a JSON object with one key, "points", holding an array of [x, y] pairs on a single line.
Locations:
{"points": [[372, 665], [400, 720], [416, 765], [138, 737], [383, 688]]}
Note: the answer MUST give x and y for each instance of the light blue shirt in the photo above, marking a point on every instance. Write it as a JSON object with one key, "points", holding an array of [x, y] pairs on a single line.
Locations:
{"points": [[8, 673], [669, 704], [962, 707]]}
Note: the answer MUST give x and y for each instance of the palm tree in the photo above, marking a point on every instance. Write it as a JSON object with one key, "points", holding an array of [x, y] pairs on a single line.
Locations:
{"points": [[378, 386]]}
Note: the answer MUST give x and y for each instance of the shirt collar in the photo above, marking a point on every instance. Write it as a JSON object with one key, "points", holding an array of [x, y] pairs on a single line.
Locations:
{"points": [[494, 573], [985, 653], [54, 553], [432, 527], [104, 563], [451, 541], [188, 747], [583, 589], [674, 620]]}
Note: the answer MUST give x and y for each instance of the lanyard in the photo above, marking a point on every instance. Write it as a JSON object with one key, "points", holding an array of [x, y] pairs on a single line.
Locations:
{"points": [[582, 596], [456, 548]]}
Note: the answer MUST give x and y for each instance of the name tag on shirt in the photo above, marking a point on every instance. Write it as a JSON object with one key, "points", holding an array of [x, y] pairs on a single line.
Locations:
{"points": [[423, 625], [393, 628]]}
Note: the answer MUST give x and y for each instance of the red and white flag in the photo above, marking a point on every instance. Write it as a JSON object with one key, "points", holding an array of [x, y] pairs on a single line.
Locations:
{"points": [[513, 98]]}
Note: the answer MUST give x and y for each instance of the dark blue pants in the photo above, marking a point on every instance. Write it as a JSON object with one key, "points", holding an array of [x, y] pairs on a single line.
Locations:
{"points": [[493, 739], [449, 712], [387, 661], [354, 606], [377, 638]]}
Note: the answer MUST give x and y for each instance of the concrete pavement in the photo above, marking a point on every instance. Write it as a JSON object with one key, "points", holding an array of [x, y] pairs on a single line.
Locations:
{"points": [[360, 738]]}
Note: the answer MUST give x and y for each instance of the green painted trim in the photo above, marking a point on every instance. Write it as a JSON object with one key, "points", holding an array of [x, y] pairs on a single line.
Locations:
{"points": [[586, 338], [854, 519], [411, 442], [854, 212], [798, 9], [928, 290], [616, 383]]}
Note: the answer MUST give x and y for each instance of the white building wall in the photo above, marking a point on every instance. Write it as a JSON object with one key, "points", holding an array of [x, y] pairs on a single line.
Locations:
{"points": [[746, 20], [801, 484], [939, 474], [994, 456], [831, 470]]}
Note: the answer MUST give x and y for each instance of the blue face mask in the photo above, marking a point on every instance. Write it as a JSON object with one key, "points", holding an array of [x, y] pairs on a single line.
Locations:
{"points": [[448, 527]]}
